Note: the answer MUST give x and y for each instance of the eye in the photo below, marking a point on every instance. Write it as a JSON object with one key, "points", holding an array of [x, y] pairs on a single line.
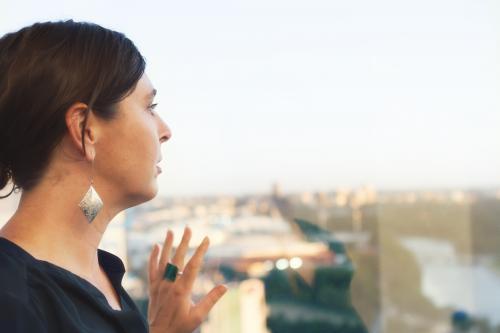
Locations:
{"points": [[152, 107]]}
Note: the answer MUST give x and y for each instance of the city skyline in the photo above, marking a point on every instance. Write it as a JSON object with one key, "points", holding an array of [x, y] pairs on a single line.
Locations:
{"points": [[314, 95]]}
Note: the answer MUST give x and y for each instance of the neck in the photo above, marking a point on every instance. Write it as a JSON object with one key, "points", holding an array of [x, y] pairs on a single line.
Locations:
{"points": [[50, 226]]}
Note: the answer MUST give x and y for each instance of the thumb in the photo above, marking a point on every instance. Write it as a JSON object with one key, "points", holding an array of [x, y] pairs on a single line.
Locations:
{"points": [[201, 310]]}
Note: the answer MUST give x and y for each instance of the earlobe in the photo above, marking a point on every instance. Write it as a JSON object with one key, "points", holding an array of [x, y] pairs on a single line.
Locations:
{"points": [[90, 140], [90, 151]]}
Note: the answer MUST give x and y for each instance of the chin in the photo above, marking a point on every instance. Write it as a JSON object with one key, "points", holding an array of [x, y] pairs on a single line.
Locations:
{"points": [[151, 192], [154, 192], [146, 195]]}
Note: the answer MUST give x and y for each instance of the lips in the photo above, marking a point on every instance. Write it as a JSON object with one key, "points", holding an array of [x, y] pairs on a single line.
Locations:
{"points": [[158, 169]]}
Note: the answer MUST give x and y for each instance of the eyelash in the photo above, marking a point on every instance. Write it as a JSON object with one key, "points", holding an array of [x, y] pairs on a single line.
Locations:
{"points": [[152, 107]]}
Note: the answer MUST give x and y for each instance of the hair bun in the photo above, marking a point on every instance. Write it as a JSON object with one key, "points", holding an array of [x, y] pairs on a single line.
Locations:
{"points": [[5, 176]]}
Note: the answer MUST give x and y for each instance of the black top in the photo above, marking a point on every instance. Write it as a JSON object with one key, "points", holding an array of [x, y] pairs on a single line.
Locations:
{"points": [[38, 296]]}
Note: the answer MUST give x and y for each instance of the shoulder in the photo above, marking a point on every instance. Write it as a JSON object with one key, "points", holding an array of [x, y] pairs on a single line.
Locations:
{"points": [[13, 275], [18, 312]]}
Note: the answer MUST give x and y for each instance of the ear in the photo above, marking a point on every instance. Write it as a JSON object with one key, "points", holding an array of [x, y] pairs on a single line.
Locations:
{"points": [[75, 121]]}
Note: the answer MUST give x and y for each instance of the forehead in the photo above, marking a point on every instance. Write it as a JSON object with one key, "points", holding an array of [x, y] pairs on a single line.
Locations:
{"points": [[144, 89]]}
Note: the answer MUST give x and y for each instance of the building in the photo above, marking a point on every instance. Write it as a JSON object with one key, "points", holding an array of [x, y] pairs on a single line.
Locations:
{"points": [[242, 309]]}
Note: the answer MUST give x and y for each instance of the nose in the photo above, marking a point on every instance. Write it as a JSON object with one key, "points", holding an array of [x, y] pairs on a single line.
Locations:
{"points": [[163, 130]]}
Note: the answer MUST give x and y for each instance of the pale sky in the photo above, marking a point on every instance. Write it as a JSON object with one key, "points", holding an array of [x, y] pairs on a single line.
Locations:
{"points": [[312, 94]]}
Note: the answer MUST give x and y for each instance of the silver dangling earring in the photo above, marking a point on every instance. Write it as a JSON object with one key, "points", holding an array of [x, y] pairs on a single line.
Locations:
{"points": [[91, 203]]}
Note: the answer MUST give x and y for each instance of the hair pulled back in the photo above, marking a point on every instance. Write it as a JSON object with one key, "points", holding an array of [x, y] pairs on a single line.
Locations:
{"points": [[44, 69]]}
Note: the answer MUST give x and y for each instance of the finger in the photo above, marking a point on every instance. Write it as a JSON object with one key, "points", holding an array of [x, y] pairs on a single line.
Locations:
{"points": [[201, 310], [194, 265], [153, 264], [180, 252], [165, 284], [165, 253]]}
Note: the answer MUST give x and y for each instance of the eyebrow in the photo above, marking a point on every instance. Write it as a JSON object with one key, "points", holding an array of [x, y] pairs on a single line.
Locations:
{"points": [[151, 94]]}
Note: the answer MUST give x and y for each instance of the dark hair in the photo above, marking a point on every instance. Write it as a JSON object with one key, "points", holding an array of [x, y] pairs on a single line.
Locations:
{"points": [[44, 69]]}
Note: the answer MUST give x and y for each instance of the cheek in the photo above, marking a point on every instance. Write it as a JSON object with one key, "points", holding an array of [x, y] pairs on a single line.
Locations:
{"points": [[128, 165], [129, 152], [137, 149]]}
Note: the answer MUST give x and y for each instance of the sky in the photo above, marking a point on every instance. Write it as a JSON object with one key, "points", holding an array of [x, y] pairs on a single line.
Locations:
{"points": [[314, 95]]}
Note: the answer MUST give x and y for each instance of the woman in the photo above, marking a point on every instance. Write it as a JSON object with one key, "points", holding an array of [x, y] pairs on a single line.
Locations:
{"points": [[80, 137]]}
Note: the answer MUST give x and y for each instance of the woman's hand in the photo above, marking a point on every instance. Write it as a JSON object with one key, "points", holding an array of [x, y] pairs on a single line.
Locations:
{"points": [[170, 308]]}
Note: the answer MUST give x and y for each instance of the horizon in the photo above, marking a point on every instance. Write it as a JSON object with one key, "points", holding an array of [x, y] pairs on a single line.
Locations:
{"points": [[314, 95]]}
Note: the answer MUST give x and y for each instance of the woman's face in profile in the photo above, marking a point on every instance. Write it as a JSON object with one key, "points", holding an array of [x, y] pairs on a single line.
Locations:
{"points": [[128, 151]]}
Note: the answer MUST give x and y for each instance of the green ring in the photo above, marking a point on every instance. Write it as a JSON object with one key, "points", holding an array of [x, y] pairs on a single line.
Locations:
{"points": [[170, 272]]}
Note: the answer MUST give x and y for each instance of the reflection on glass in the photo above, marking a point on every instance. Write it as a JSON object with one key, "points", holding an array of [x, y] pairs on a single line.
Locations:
{"points": [[345, 261]]}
